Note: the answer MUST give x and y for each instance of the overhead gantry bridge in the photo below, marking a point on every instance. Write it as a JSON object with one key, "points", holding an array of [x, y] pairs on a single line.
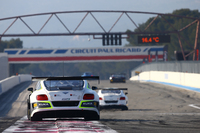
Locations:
{"points": [[104, 30]]}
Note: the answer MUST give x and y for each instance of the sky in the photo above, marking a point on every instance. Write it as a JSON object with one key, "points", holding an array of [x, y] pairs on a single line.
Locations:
{"points": [[10, 8]]}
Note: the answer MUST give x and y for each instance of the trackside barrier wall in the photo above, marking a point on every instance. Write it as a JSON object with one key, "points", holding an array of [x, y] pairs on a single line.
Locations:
{"points": [[10, 82], [176, 78], [172, 66]]}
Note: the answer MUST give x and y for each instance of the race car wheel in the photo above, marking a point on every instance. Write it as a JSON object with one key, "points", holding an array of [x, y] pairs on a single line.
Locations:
{"points": [[36, 119], [90, 118], [28, 109], [124, 108]]}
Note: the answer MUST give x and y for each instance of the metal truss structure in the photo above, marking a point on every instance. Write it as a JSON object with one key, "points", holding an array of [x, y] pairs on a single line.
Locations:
{"points": [[94, 34]]}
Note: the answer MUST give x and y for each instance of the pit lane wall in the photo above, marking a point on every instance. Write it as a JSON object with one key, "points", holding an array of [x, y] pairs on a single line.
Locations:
{"points": [[179, 79], [10, 82]]}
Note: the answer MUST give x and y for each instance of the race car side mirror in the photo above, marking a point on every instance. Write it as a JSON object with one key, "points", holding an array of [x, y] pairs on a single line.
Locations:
{"points": [[126, 93], [94, 88], [30, 89]]}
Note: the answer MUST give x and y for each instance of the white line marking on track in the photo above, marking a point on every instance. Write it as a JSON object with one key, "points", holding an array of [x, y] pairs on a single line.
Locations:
{"points": [[194, 106], [177, 113], [64, 126]]}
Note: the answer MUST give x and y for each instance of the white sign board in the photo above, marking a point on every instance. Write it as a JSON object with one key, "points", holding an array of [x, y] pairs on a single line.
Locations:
{"points": [[83, 54]]}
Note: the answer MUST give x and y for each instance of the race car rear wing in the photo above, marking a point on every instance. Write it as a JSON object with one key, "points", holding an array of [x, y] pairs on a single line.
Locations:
{"points": [[124, 89], [112, 88], [67, 78]]}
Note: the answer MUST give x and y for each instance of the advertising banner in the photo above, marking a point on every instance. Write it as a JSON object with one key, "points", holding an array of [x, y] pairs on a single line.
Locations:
{"points": [[102, 54]]}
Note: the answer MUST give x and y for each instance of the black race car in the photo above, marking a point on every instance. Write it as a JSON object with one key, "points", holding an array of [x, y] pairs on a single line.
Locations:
{"points": [[117, 78]]}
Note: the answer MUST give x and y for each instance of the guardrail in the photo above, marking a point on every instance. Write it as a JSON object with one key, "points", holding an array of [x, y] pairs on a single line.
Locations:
{"points": [[178, 79], [10, 82]]}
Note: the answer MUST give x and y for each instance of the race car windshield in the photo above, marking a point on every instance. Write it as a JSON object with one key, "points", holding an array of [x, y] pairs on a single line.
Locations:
{"points": [[117, 76], [110, 91], [53, 85]]}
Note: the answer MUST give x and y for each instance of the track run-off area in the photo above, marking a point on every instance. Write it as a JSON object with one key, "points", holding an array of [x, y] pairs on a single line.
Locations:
{"points": [[152, 108]]}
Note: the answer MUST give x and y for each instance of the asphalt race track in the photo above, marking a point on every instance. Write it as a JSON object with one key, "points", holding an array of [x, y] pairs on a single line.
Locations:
{"points": [[152, 108]]}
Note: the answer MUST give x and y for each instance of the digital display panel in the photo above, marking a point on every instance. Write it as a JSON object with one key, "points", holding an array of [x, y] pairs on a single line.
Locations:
{"points": [[154, 39]]}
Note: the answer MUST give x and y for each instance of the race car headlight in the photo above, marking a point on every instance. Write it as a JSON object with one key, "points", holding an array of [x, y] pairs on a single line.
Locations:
{"points": [[41, 105], [122, 98], [95, 104], [34, 105], [41, 97], [89, 104], [88, 96]]}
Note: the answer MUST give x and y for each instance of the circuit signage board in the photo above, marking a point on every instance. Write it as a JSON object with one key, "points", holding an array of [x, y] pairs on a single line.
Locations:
{"points": [[154, 39], [101, 54]]}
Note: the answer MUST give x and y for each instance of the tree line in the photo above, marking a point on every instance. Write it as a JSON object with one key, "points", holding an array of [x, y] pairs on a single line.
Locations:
{"points": [[188, 35], [12, 43]]}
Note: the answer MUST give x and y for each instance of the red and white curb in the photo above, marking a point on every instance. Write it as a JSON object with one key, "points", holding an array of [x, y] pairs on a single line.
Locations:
{"points": [[63, 126]]}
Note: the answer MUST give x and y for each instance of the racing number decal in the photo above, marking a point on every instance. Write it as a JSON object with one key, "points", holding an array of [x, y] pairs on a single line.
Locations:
{"points": [[65, 99]]}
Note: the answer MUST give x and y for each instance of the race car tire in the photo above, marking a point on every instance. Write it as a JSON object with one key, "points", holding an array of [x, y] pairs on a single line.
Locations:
{"points": [[28, 109], [36, 119], [124, 108], [90, 118]]}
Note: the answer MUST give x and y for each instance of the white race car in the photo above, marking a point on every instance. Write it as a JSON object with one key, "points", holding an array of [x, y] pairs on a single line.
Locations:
{"points": [[113, 97], [60, 97]]}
